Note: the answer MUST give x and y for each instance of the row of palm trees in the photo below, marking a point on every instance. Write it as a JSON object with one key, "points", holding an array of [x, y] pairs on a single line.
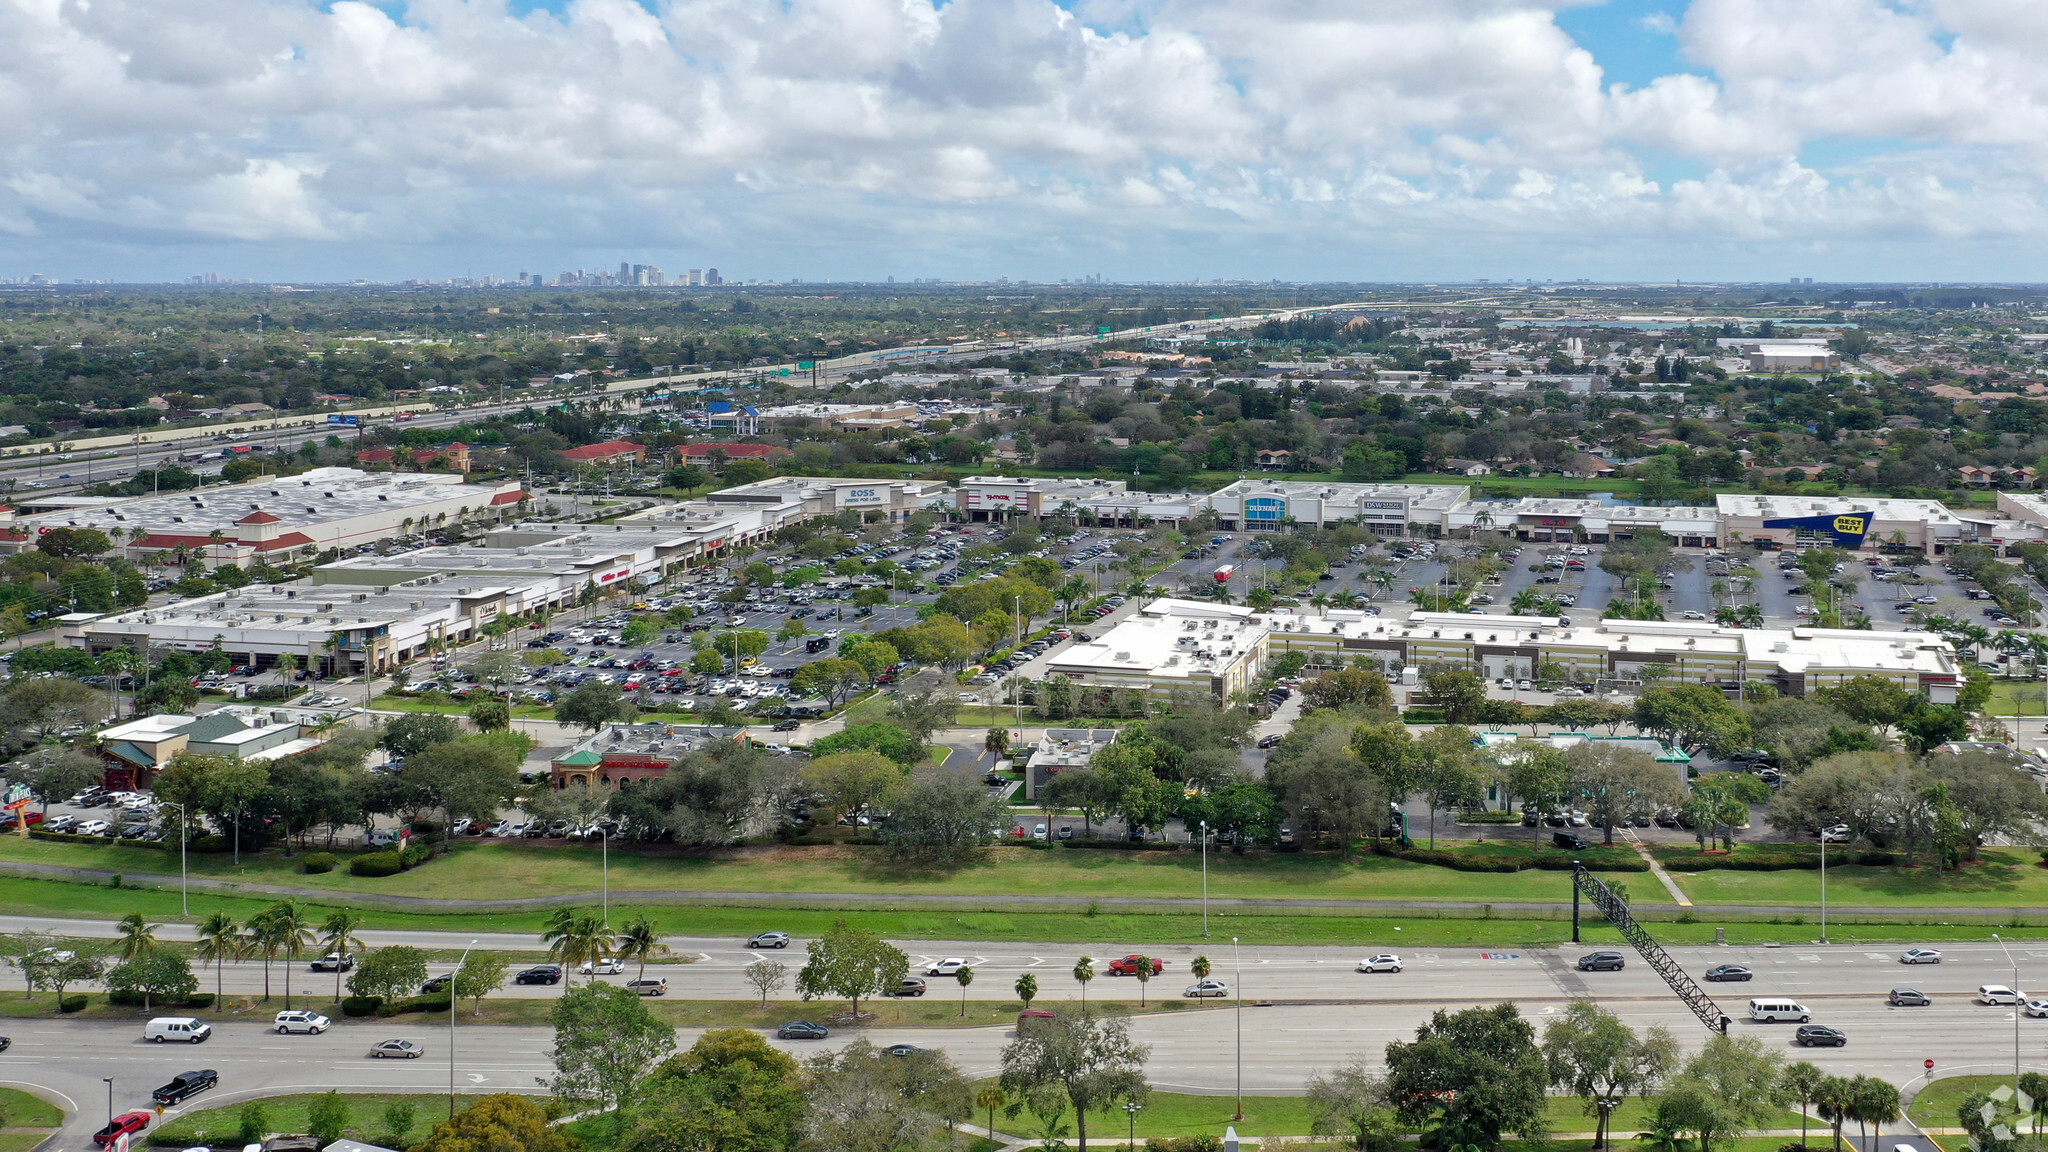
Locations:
{"points": [[575, 938], [283, 930]]}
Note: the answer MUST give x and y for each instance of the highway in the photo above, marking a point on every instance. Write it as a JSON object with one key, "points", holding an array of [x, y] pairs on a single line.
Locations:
{"points": [[71, 468], [1319, 1013]]}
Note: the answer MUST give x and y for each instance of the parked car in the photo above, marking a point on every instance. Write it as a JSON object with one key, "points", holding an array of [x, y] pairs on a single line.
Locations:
{"points": [[540, 974], [1384, 962], [1819, 1035], [300, 1020], [1908, 998], [185, 1085], [1206, 989], [1271, 741], [126, 1124], [770, 940], [1729, 972], [802, 1030], [396, 1050], [1128, 965], [1602, 962]]}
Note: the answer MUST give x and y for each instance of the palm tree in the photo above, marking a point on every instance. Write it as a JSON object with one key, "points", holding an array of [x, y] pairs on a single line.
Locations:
{"points": [[639, 940], [1084, 971], [1832, 1099], [1752, 616], [259, 937], [1802, 1083], [1664, 1135], [574, 940], [338, 935], [1200, 968], [220, 940], [288, 930], [138, 936]]}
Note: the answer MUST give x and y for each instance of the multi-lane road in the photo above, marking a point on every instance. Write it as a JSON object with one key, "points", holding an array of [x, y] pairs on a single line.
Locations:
{"points": [[1305, 1009]]}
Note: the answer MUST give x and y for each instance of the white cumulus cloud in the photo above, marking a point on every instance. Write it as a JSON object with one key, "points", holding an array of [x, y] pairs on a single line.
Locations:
{"points": [[1339, 138]]}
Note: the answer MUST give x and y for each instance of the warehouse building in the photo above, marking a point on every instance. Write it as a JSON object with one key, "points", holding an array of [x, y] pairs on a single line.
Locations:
{"points": [[1096, 501], [1544, 519], [278, 517], [789, 499]]}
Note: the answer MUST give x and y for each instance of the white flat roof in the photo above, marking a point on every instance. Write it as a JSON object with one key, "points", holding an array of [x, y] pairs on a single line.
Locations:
{"points": [[1443, 496], [1791, 507], [1170, 638], [318, 496]]}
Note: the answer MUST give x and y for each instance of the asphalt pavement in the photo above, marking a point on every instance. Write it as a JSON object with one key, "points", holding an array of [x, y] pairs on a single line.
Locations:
{"points": [[1304, 1010]]}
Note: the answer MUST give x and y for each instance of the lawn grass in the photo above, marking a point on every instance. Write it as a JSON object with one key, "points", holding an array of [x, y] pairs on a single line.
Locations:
{"points": [[2004, 693], [24, 1110], [221, 1126], [1937, 1104], [2005, 879], [516, 870]]}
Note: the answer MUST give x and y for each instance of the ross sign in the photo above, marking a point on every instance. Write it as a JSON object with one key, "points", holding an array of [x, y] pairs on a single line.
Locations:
{"points": [[854, 497], [1848, 529], [341, 420]]}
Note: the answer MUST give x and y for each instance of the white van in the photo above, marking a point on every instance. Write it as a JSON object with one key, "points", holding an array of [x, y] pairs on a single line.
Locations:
{"points": [[183, 1028], [1777, 1010]]}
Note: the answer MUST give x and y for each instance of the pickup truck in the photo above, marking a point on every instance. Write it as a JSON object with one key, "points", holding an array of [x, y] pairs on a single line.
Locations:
{"points": [[126, 1124], [185, 1085], [1128, 965]]}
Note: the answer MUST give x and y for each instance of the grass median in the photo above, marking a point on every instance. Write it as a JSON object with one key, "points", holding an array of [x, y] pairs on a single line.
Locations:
{"points": [[30, 1120]]}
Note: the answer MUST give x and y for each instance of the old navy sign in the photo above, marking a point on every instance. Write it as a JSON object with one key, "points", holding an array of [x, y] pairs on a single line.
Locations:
{"points": [[1848, 529]]}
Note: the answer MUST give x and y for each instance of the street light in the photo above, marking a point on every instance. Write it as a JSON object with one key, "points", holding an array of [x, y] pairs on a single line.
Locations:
{"points": [[604, 848], [1205, 879], [1237, 961], [2018, 1003], [184, 835], [110, 1098], [1131, 1109], [454, 986]]}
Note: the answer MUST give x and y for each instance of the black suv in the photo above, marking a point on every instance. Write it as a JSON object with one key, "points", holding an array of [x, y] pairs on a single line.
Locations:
{"points": [[1602, 962], [1571, 840], [1810, 1035], [540, 974], [185, 1085]]}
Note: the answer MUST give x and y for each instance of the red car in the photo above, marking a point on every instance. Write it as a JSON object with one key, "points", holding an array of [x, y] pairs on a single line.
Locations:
{"points": [[13, 820], [1128, 966], [127, 1123]]}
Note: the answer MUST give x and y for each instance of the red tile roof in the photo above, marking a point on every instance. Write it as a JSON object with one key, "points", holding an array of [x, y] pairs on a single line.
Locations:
{"points": [[259, 517], [609, 450]]}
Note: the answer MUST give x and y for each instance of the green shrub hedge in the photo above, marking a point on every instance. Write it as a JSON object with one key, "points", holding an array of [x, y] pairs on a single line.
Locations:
{"points": [[212, 842], [315, 863], [376, 864], [1765, 860], [1422, 716], [73, 1004], [437, 1002], [1494, 816], [415, 855], [1595, 859], [361, 1005]]}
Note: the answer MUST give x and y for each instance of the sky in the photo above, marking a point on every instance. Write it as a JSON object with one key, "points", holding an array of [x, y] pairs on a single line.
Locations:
{"points": [[1142, 140]]}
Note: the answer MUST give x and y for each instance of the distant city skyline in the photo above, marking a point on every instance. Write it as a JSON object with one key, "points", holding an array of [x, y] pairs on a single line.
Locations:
{"points": [[1147, 140]]}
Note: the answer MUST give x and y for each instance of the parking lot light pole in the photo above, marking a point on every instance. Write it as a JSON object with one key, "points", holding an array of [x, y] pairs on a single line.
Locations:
{"points": [[184, 835], [454, 986], [1205, 879], [604, 850], [1237, 961], [2019, 999], [110, 1098]]}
